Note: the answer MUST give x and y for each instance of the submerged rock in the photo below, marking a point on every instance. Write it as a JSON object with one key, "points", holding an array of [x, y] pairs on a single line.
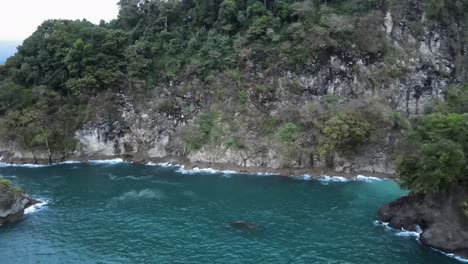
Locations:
{"points": [[244, 226], [13, 202], [440, 216]]}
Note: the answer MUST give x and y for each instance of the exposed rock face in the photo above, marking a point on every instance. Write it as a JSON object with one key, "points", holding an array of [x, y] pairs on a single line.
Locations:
{"points": [[420, 69], [12, 204], [440, 217]]}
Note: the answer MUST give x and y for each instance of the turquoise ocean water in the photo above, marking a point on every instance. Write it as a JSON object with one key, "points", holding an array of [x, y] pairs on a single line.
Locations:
{"points": [[128, 213], [7, 49]]}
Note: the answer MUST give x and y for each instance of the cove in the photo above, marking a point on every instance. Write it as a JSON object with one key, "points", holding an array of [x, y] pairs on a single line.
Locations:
{"points": [[130, 213]]}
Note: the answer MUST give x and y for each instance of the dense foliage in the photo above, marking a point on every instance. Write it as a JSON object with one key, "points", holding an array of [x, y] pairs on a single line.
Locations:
{"points": [[435, 154], [61, 74]]}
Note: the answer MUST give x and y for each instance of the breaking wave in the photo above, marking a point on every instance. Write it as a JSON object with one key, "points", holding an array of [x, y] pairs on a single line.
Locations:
{"points": [[37, 207], [207, 170], [366, 178], [109, 161], [450, 255], [10, 165], [402, 233], [417, 234], [327, 179]]}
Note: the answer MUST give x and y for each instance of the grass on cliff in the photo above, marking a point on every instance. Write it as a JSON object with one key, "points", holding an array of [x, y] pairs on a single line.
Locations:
{"points": [[15, 190]]}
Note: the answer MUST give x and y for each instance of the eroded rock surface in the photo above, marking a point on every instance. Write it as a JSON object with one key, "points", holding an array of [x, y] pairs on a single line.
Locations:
{"points": [[440, 216]]}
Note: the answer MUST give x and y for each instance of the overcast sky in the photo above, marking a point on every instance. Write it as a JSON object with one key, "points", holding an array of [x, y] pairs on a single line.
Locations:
{"points": [[20, 18]]}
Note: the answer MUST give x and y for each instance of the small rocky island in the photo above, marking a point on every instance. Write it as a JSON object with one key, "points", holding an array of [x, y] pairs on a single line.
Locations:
{"points": [[13, 202], [442, 218]]}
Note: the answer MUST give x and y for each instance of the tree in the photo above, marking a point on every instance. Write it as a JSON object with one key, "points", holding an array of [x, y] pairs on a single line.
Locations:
{"points": [[227, 17], [434, 154], [129, 14]]}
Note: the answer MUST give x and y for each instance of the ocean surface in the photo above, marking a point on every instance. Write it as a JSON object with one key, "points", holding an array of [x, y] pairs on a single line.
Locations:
{"points": [[126, 213], [7, 49]]}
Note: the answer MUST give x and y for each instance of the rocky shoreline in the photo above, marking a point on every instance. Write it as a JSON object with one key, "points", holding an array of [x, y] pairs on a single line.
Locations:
{"points": [[190, 165], [13, 203], [438, 217]]}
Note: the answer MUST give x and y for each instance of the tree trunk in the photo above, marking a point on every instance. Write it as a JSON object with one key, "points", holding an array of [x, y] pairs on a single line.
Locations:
{"points": [[49, 152]]}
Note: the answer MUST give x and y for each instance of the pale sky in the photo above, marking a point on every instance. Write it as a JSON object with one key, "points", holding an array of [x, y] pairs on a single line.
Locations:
{"points": [[20, 18]]}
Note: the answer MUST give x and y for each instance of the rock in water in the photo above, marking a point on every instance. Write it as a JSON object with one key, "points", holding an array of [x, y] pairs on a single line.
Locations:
{"points": [[12, 203], [440, 216], [244, 226]]}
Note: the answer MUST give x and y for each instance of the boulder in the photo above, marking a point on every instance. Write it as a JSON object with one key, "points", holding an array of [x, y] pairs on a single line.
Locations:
{"points": [[244, 226], [440, 216]]}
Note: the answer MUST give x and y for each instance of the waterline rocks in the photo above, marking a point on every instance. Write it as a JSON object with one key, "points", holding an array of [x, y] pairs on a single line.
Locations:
{"points": [[440, 217], [13, 203]]}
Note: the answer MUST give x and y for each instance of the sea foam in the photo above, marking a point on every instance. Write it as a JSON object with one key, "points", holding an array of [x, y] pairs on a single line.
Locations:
{"points": [[37, 207], [109, 161], [197, 170], [402, 232], [143, 194], [367, 178], [304, 177], [164, 164], [450, 255], [10, 165], [417, 234], [324, 179]]}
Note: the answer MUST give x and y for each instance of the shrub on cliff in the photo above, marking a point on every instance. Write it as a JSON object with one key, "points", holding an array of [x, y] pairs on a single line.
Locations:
{"points": [[435, 153], [15, 190]]}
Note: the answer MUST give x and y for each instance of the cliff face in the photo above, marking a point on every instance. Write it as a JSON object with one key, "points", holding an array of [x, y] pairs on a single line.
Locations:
{"points": [[421, 65], [12, 204], [440, 217]]}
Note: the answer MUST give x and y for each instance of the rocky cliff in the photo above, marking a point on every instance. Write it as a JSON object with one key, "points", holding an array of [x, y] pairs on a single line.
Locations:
{"points": [[235, 117], [12, 203]]}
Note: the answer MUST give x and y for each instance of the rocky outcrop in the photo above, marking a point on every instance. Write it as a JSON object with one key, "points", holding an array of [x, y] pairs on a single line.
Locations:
{"points": [[244, 226], [440, 216], [13, 203]]}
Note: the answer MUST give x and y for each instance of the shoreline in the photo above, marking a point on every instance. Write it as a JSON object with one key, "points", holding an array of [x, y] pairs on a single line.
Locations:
{"points": [[189, 168], [186, 165]]}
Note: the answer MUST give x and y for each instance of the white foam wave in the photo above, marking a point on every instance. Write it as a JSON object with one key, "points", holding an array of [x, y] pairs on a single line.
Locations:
{"points": [[450, 255], [130, 177], [265, 174], [164, 164], [136, 178], [165, 182], [37, 207], [109, 161], [304, 177], [70, 162], [197, 170], [8, 176], [402, 232], [10, 165], [28, 165], [327, 179], [406, 233], [143, 194], [367, 178]]}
